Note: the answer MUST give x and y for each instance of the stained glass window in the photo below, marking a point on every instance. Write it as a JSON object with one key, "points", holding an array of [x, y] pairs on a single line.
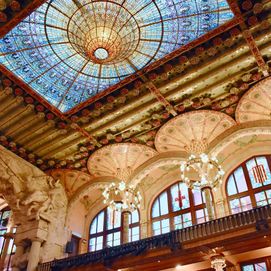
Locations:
{"points": [[4, 218], [176, 208], [250, 184], [261, 266], [106, 228], [68, 51]]}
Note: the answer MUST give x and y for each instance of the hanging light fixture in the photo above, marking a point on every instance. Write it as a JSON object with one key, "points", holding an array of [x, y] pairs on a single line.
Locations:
{"points": [[207, 168], [218, 262], [122, 197]]}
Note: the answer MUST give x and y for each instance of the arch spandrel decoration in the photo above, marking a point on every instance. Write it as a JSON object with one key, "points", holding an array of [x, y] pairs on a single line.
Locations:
{"points": [[119, 160], [192, 131], [72, 180], [255, 104]]}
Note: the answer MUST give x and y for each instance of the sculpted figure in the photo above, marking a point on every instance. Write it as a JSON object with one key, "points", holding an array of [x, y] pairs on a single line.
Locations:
{"points": [[42, 194], [38, 193]]}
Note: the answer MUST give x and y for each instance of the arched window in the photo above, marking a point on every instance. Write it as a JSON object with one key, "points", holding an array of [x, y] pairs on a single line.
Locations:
{"points": [[250, 184], [106, 228], [4, 218], [176, 208]]}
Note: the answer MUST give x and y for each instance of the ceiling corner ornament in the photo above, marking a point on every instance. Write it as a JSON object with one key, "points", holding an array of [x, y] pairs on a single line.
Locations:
{"points": [[119, 160], [193, 131], [255, 104]]}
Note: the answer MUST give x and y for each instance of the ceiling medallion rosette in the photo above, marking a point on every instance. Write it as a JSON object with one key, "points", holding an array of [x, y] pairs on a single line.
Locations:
{"points": [[104, 32], [70, 51]]}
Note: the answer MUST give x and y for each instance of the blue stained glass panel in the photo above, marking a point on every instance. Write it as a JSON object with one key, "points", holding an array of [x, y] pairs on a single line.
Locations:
{"points": [[240, 180], [68, 51]]}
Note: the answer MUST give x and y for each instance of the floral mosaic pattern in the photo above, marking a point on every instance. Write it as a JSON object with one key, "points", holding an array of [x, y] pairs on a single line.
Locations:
{"points": [[70, 51]]}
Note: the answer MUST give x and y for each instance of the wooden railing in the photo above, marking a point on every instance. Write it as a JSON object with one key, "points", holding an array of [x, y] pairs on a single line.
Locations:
{"points": [[257, 217]]}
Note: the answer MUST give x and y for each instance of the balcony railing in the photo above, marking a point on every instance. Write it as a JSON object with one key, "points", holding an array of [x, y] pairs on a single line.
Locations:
{"points": [[10, 252], [257, 217]]}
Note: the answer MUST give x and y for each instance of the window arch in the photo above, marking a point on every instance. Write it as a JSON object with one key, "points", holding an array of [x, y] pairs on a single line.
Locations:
{"points": [[249, 185], [106, 227], [4, 217], [177, 207]]}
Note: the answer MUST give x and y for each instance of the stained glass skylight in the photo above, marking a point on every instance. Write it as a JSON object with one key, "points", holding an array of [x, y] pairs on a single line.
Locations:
{"points": [[70, 50]]}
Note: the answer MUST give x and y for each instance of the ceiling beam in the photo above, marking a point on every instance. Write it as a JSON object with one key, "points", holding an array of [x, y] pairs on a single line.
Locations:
{"points": [[158, 95], [26, 11], [254, 49]]}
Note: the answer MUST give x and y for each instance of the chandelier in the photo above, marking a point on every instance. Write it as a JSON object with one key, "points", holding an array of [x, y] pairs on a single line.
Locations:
{"points": [[207, 168], [218, 262], [122, 197]]}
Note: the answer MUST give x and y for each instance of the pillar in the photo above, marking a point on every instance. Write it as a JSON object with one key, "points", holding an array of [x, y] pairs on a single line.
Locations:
{"points": [[125, 225], [8, 236], [209, 203], [18, 254], [34, 254]]}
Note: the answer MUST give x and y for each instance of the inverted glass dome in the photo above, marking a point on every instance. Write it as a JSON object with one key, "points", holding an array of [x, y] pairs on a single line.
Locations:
{"points": [[68, 51]]}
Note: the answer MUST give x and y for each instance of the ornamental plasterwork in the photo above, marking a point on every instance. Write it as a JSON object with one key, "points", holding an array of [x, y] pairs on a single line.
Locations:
{"points": [[237, 135], [257, 144], [256, 103], [29, 191], [164, 162], [88, 189], [72, 180], [193, 131], [119, 160]]}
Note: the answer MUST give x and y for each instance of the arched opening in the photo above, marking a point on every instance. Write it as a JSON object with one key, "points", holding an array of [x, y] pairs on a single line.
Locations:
{"points": [[7, 247], [249, 185], [177, 207], [107, 226]]}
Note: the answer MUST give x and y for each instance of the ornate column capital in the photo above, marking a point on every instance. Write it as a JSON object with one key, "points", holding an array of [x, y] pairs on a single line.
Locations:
{"points": [[37, 239]]}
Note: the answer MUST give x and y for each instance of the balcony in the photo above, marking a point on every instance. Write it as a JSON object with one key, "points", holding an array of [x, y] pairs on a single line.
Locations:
{"points": [[236, 233]]}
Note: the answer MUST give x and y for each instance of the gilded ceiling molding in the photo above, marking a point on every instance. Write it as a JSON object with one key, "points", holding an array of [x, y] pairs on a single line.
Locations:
{"points": [[255, 103], [193, 131], [72, 180], [119, 160], [167, 159], [250, 129], [98, 184]]}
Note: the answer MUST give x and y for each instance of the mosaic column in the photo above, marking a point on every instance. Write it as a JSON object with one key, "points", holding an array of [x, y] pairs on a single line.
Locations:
{"points": [[125, 231], [34, 254], [207, 191]]}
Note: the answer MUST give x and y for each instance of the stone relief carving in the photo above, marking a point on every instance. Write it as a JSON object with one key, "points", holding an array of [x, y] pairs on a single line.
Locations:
{"points": [[39, 203], [36, 194]]}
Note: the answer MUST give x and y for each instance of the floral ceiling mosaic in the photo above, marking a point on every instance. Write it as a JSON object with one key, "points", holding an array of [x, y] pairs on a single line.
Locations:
{"points": [[69, 51]]}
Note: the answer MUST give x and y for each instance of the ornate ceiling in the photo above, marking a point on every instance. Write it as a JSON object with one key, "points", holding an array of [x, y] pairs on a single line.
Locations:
{"points": [[256, 103], [193, 131], [70, 51], [119, 160], [212, 72]]}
